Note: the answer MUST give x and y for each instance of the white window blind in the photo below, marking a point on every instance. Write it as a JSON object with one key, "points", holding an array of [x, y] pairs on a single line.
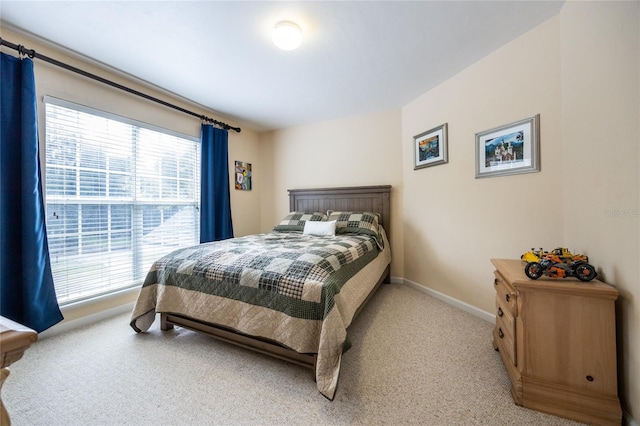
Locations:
{"points": [[119, 194]]}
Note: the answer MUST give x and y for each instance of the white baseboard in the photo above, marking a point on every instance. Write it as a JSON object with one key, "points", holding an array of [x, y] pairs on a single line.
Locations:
{"points": [[85, 320], [449, 300], [128, 307], [396, 280], [627, 419]]}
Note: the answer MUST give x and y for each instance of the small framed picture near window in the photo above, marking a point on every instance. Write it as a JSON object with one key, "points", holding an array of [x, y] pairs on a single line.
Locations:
{"points": [[510, 149], [243, 176], [430, 147]]}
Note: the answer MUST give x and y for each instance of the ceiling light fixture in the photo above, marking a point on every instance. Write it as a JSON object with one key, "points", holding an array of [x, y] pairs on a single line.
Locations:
{"points": [[287, 35]]}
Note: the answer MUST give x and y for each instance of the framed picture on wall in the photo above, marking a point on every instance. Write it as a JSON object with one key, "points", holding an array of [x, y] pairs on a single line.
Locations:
{"points": [[430, 147], [243, 176], [510, 149]]}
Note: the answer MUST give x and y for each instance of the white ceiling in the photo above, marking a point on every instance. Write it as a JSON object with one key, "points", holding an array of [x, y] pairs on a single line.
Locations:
{"points": [[357, 57]]}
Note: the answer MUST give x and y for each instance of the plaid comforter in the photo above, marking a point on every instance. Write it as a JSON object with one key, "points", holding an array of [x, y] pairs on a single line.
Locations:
{"points": [[282, 286]]}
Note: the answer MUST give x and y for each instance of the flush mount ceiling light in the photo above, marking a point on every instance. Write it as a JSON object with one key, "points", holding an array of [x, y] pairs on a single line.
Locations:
{"points": [[287, 35]]}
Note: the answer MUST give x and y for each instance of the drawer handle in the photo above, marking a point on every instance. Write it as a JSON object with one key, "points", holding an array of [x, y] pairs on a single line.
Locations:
{"points": [[500, 333], [590, 378], [500, 313], [508, 297]]}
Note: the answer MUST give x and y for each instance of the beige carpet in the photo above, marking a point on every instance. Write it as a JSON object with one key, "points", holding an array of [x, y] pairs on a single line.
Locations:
{"points": [[414, 360]]}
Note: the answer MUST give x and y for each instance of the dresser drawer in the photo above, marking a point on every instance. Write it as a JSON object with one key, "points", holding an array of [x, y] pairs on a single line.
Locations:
{"points": [[505, 331], [505, 294]]}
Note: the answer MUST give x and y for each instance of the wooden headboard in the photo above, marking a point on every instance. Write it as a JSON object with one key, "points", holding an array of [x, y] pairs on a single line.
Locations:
{"points": [[375, 199]]}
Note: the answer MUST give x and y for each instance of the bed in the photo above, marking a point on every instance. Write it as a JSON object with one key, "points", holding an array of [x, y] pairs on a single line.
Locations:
{"points": [[301, 316]]}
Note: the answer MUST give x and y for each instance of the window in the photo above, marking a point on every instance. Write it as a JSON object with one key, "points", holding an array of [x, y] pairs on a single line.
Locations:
{"points": [[119, 195]]}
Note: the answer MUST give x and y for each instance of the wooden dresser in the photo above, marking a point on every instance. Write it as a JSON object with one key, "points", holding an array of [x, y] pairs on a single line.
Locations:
{"points": [[557, 339]]}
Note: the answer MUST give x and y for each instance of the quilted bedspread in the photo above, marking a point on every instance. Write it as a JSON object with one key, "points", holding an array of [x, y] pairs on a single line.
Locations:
{"points": [[288, 287]]}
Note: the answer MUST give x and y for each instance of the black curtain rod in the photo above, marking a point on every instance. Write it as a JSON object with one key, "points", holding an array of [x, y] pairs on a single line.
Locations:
{"points": [[33, 54]]}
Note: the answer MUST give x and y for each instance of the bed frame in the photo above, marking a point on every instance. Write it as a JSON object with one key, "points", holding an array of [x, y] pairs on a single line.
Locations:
{"points": [[364, 198]]}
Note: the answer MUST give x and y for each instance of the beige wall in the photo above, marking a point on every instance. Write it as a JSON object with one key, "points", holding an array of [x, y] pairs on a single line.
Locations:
{"points": [[355, 151], [600, 45], [458, 222], [62, 84], [579, 71]]}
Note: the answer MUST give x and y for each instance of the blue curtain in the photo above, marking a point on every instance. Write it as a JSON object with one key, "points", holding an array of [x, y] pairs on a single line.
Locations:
{"points": [[215, 198], [27, 294]]}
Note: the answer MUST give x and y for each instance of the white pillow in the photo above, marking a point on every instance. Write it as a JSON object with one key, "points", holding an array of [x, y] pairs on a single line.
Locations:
{"points": [[320, 228]]}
